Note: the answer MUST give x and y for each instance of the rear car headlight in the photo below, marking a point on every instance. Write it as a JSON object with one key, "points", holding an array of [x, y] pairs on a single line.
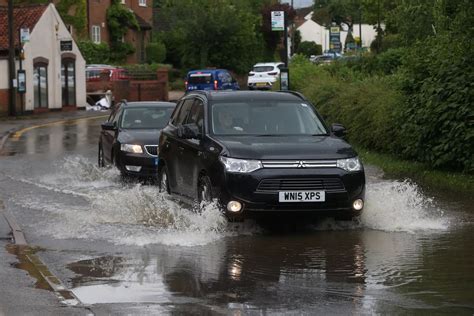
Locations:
{"points": [[240, 165], [349, 164], [136, 149]]}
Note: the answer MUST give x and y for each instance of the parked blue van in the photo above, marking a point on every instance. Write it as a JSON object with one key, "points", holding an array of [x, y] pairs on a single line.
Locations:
{"points": [[210, 79]]}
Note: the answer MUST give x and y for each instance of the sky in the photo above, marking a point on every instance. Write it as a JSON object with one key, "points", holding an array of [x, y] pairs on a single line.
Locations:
{"points": [[299, 3]]}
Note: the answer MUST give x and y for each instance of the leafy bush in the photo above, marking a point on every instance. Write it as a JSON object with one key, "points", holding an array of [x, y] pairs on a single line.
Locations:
{"points": [[155, 52], [363, 106], [177, 84], [119, 52], [94, 53], [309, 48], [437, 119]]}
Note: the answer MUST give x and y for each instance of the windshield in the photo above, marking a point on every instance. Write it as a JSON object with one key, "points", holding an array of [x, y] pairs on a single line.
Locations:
{"points": [[265, 119], [200, 79], [146, 118], [262, 68]]}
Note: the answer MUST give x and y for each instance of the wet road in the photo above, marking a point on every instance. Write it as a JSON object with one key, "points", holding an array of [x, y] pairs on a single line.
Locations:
{"points": [[124, 248]]}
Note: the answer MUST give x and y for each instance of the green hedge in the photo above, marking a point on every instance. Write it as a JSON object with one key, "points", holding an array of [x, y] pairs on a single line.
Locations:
{"points": [[429, 120]]}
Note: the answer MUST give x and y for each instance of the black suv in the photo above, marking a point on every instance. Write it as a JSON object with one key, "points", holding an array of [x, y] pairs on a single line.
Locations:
{"points": [[259, 152]]}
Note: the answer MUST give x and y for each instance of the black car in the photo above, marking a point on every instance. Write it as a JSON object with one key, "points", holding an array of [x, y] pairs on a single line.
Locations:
{"points": [[129, 138], [259, 152]]}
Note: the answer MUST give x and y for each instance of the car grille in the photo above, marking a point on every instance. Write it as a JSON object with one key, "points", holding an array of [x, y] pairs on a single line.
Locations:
{"points": [[275, 185], [299, 163], [152, 150]]}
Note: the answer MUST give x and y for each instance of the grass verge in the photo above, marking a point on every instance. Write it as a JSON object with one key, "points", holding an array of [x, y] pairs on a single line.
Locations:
{"points": [[419, 172]]}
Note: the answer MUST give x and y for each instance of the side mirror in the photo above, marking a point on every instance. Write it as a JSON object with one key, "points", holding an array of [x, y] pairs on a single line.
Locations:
{"points": [[338, 130], [108, 126], [189, 131]]}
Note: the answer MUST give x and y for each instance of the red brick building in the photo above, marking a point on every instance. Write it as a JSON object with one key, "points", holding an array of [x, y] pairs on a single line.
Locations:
{"points": [[99, 33]]}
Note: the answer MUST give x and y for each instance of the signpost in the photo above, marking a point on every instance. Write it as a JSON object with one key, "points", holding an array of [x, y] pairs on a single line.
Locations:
{"points": [[279, 24], [335, 39]]}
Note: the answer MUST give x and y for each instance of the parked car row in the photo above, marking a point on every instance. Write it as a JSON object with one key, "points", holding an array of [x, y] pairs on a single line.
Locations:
{"points": [[253, 152]]}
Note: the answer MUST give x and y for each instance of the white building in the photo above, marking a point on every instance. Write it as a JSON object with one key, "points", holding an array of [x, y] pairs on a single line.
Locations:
{"points": [[313, 32], [53, 64]]}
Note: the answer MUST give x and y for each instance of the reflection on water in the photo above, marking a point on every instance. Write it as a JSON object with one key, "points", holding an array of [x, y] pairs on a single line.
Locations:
{"points": [[336, 272]]}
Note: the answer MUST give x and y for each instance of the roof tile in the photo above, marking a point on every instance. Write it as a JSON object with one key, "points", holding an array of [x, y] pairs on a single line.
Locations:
{"points": [[23, 16]]}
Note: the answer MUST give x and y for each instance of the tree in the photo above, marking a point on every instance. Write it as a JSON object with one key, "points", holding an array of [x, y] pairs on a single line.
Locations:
{"points": [[215, 33]]}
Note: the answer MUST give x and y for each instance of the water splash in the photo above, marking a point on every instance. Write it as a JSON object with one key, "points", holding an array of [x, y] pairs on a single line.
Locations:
{"points": [[401, 206], [129, 213]]}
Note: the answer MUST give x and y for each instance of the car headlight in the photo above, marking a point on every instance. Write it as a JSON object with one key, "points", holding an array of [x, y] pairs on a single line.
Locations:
{"points": [[136, 149], [240, 165], [349, 164]]}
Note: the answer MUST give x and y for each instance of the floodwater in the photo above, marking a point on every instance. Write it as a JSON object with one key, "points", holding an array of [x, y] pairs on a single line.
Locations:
{"points": [[123, 246]]}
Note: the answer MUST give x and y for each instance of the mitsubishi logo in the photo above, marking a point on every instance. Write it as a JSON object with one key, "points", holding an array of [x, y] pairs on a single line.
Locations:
{"points": [[301, 164]]}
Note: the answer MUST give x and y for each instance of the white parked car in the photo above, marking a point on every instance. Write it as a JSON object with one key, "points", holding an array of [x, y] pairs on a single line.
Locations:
{"points": [[264, 75]]}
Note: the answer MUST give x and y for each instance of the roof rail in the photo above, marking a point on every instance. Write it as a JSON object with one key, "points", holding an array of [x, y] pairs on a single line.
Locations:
{"points": [[295, 93], [196, 91]]}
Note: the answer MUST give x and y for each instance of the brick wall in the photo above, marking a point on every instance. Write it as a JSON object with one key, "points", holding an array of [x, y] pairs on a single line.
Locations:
{"points": [[132, 90], [97, 16]]}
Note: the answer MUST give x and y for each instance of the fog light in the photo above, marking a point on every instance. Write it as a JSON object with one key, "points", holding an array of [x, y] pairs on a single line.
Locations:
{"points": [[234, 206], [133, 168], [358, 204]]}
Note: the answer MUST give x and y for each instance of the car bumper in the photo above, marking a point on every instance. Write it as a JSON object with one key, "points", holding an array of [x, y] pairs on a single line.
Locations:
{"points": [[264, 83], [341, 189], [141, 165]]}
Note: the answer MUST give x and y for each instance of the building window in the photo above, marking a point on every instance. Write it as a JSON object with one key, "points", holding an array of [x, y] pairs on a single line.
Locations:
{"points": [[95, 34], [142, 3], [40, 85], [68, 81]]}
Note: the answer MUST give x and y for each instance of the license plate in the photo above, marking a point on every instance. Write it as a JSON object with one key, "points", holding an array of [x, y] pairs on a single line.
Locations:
{"points": [[301, 196], [261, 84]]}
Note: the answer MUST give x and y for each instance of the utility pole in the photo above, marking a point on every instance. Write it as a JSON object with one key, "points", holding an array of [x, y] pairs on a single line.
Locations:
{"points": [[11, 60], [379, 30], [360, 25]]}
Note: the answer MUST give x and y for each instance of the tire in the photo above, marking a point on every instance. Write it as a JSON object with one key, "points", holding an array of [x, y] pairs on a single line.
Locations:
{"points": [[163, 180], [100, 156], [204, 190]]}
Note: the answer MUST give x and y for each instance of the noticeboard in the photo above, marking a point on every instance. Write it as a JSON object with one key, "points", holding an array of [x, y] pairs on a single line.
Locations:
{"points": [[66, 46], [21, 81], [284, 79]]}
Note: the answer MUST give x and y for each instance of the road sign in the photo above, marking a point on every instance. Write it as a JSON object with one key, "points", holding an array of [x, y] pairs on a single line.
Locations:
{"points": [[24, 35], [278, 20]]}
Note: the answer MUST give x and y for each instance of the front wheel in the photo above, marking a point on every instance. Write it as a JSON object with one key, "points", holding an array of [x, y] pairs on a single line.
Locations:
{"points": [[204, 190], [164, 180], [100, 157]]}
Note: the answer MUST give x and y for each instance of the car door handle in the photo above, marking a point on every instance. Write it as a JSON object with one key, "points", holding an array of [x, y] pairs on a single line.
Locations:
{"points": [[180, 149]]}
